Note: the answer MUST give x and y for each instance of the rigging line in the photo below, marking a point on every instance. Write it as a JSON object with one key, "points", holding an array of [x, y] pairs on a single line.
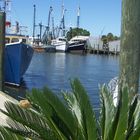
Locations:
{"points": [[15, 13]]}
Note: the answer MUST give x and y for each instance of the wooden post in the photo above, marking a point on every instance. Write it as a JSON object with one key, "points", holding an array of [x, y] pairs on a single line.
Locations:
{"points": [[130, 45], [2, 45]]}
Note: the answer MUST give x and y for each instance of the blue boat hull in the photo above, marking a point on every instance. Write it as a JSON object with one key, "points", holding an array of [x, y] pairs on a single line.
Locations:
{"points": [[17, 59]]}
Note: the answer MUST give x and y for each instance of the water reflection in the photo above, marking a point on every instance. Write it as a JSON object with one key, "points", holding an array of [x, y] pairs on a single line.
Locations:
{"points": [[55, 70]]}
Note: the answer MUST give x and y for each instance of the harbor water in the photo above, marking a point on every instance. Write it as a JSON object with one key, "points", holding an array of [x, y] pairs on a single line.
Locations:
{"points": [[56, 69]]}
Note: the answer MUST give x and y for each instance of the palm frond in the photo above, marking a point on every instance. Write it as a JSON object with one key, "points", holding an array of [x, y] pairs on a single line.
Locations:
{"points": [[5, 134], [28, 119], [136, 125], [72, 116], [39, 100], [61, 110], [108, 111], [88, 115], [101, 121], [131, 118], [21, 129], [54, 109], [122, 124], [74, 107]]}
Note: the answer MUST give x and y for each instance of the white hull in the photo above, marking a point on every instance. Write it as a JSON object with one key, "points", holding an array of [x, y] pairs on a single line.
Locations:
{"points": [[60, 44], [61, 48]]}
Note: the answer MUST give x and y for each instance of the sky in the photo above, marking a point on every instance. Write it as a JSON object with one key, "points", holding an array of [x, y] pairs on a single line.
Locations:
{"points": [[97, 16]]}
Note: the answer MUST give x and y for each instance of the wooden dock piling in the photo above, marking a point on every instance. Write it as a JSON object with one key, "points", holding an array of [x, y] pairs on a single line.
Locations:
{"points": [[2, 45], [130, 45]]}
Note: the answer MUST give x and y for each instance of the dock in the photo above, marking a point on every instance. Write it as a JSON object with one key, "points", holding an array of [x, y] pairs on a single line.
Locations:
{"points": [[103, 51], [96, 46]]}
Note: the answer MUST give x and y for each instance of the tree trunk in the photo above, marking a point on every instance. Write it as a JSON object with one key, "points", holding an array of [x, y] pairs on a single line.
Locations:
{"points": [[2, 45], [130, 45]]}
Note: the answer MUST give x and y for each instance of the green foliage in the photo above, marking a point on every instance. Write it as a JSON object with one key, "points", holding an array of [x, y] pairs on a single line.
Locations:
{"points": [[72, 117], [109, 37], [5, 134], [77, 31]]}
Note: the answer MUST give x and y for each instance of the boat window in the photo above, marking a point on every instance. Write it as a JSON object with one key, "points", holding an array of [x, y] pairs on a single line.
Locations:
{"points": [[14, 40], [24, 40], [7, 40], [62, 39]]}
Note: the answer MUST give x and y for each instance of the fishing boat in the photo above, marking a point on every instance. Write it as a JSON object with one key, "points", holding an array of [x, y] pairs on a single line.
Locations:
{"points": [[17, 57], [60, 44], [17, 52], [78, 44]]}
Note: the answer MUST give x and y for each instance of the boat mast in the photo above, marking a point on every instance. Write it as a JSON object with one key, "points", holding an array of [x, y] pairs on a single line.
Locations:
{"points": [[46, 33], [40, 28], [78, 17], [53, 32], [62, 22], [5, 5], [34, 21]]}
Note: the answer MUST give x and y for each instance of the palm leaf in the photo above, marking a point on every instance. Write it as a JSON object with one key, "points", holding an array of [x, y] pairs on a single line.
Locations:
{"points": [[62, 111], [39, 100], [131, 118], [122, 124], [8, 135], [57, 113], [101, 121], [74, 107], [72, 117], [88, 116], [29, 119], [136, 128], [107, 113]]}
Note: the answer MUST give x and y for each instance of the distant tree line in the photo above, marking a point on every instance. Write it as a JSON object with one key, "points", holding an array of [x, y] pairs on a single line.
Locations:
{"points": [[76, 32], [109, 37], [83, 32]]}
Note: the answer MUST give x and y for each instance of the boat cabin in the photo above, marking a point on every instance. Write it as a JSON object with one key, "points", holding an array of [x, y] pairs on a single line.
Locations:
{"points": [[12, 38]]}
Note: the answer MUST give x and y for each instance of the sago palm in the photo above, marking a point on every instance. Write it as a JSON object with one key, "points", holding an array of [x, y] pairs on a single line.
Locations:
{"points": [[71, 117]]}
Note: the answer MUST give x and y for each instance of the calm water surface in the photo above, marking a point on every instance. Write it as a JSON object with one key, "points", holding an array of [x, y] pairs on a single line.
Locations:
{"points": [[56, 69]]}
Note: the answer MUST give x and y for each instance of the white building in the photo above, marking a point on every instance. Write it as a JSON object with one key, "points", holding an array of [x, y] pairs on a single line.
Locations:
{"points": [[95, 43], [114, 46]]}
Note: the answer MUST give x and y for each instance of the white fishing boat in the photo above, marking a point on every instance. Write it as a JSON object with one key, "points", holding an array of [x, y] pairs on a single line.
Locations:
{"points": [[60, 44]]}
